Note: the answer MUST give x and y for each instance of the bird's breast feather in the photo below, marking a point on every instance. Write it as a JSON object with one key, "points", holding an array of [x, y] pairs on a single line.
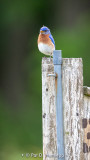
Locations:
{"points": [[45, 39]]}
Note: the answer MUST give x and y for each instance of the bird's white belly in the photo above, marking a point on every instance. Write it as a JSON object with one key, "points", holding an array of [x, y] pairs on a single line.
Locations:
{"points": [[45, 49]]}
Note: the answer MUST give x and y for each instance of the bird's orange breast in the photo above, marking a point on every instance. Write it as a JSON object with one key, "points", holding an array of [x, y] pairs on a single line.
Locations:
{"points": [[44, 39]]}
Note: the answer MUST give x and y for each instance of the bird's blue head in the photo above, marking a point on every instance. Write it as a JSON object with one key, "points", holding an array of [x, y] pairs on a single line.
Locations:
{"points": [[45, 30]]}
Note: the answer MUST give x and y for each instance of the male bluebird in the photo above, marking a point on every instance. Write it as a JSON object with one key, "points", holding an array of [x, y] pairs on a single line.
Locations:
{"points": [[46, 43]]}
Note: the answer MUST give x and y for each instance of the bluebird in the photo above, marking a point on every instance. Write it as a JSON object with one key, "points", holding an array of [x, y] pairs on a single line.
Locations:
{"points": [[46, 43]]}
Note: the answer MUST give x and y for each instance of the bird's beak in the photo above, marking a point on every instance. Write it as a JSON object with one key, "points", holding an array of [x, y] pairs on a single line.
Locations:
{"points": [[41, 31]]}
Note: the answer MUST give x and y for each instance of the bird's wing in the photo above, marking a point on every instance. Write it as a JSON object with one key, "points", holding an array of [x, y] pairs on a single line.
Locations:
{"points": [[51, 37]]}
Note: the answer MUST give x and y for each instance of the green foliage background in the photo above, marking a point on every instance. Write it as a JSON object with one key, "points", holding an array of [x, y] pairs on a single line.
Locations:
{"points": [[20, 65]]}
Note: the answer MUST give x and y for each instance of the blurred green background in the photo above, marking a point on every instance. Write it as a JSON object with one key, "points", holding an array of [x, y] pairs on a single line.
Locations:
{"points": [[20, 65]]}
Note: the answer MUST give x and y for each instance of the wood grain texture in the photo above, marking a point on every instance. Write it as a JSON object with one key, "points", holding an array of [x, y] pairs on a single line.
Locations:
{"points": [[87, 127], [72, 84], [48, 110]]}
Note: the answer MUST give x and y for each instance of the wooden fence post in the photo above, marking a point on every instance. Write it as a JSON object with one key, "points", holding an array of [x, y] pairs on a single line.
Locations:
{"points": [[72, 84], [48, 110], [86, 123]]}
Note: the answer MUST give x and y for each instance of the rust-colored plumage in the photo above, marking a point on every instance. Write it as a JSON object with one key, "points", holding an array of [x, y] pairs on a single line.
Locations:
{"points": [[44, 38]]}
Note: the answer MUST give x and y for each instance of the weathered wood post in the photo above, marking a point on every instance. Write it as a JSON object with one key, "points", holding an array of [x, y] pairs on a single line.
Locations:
{"points": [[86, 123], [48, 110], [72, 84]]}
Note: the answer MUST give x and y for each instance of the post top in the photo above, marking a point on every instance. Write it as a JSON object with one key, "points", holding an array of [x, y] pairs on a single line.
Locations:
{"points": [[57, 57]]}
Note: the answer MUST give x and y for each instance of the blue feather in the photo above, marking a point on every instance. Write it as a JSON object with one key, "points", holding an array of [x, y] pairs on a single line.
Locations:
{"points": [[51, 37], [44, 28]]}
